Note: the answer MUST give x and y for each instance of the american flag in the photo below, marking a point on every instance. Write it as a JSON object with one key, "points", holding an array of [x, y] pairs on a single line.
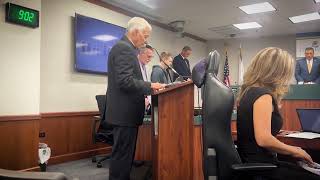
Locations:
{"points": [[226, 74]]}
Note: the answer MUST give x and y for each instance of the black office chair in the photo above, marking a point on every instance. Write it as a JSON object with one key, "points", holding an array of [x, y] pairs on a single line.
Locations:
{"points": [[102, 133], [220, 157], [18, 175]]}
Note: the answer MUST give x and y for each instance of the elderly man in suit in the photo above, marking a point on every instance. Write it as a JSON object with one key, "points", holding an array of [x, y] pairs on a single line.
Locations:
{"points": [[126, 96], [307, 68], [181, 63]]}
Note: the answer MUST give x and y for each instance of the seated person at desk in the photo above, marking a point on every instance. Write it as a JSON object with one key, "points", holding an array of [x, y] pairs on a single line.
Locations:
{"points": [[307, 69], [160, 72], [259, 121]]}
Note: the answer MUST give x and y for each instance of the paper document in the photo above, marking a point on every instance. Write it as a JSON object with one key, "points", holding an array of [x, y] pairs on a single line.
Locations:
{"points": [[304, 135], [314, 168]]}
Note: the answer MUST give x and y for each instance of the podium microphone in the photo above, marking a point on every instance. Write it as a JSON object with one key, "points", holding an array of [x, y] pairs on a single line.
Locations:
{"points": [[173, 70]]}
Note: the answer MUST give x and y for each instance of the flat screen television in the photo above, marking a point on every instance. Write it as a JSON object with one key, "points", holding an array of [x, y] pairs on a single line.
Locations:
{"points": [[93, 41]]}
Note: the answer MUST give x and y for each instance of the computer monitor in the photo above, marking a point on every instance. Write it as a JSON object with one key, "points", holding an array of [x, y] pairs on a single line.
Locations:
{"points": [[93, 41], [309, 120]]}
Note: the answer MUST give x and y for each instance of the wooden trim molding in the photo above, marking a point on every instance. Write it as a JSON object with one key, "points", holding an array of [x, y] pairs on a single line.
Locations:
{"points": [[79, 155], [69, 114], [132, 14], [20, 118], [36, 168], [46, 115], [73, 157]]}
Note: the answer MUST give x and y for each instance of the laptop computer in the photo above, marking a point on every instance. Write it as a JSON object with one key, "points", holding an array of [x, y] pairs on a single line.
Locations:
{"points": [[310, 124], [309, 120]]}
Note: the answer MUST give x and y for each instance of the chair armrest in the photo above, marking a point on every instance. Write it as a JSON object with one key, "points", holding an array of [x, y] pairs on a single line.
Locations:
{"points": [[94, 129], [245, 167], [9, 174]]}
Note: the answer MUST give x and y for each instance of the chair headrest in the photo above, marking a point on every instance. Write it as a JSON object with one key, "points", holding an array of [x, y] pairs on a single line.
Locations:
{"points": [[199, 72], [213, 62], [209, 64]]}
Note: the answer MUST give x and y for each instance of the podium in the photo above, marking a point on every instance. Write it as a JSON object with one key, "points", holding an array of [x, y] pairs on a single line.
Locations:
{"points": [[172, 132]]}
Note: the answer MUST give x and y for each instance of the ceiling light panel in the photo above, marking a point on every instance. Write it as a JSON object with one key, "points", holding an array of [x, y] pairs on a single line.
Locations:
{"points": [[249, 25], [257, 8], [305, 17]]}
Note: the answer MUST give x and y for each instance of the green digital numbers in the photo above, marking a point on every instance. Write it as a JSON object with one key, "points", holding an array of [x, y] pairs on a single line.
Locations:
{"points": [[21, 14], [26, 16]]}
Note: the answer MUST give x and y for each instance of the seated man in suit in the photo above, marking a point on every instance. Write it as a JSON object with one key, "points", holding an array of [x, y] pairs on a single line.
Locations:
{"points": [[181, 63], [307, 68]]}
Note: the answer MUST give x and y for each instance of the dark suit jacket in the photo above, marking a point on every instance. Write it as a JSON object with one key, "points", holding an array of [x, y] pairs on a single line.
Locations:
{"points": [[182, 66], [126, 88], [302, 73]]}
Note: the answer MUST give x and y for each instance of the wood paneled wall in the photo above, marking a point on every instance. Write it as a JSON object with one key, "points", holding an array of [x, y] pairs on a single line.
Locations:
{"points": [[288, 112], [144, 141], [68, 134], [197, 153], [19, 142]]}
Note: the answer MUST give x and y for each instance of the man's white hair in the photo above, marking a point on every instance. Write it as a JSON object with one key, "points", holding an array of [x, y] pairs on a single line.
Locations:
{"points": [[138, 23]]}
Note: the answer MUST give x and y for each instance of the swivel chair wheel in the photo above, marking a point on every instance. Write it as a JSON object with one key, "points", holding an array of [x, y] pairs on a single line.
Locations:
{"points": [[99, 165], [93, 159]]}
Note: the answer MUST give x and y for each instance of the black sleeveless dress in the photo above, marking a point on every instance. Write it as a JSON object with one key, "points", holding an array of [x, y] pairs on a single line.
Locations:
{"points": [[251, 152], [248, 148]]}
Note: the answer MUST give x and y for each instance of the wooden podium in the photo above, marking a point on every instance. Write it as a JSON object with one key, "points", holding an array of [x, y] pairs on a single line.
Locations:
{"points": [[172, 132]]}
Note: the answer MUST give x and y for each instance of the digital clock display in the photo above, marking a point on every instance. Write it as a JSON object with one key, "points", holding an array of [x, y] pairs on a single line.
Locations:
{"points": [[21, 15]]}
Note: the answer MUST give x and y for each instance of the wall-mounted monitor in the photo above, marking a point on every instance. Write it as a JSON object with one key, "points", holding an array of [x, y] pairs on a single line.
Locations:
{"points": [[93, 41]]}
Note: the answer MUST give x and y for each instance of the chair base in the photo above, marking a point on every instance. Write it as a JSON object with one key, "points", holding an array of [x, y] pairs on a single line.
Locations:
{"points": [[94, 159], [107, 157], [99, 162]]}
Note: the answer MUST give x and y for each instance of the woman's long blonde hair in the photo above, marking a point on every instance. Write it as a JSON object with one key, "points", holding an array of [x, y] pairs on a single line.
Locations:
{"points": [[271, 68]]}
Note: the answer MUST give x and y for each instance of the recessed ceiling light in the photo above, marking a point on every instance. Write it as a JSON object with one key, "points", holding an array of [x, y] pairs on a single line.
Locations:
{"points": [[257, 8], [305, 17], [249, 25], [317, 1]]}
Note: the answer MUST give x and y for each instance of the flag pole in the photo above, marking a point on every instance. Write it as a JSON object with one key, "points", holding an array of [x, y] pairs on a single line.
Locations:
{"points": [[240, 66]]}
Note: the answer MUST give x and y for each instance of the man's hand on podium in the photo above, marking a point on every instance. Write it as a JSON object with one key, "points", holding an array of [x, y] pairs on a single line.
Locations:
{"points": [[157, 86]]}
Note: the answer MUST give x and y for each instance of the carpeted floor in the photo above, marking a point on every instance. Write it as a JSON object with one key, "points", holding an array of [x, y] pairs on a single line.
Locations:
{"points": [[82, 169]]}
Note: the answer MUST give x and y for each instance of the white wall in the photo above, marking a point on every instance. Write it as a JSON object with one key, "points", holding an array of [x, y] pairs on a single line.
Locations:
{"points": [[250, 47], [30, 86], [63, 89], [20, 64]]}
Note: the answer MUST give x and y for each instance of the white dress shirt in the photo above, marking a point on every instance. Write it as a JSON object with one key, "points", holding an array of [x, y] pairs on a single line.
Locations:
{"points": [[145, 76]]}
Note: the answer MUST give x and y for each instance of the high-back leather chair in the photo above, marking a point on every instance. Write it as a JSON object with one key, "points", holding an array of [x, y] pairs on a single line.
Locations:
{"points": [[18, 175], [220, 157], [217, 109], [102, 133]]}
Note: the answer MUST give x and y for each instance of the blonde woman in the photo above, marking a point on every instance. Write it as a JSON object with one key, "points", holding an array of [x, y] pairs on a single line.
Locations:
{"points": [[160, 72], [258, 119]]}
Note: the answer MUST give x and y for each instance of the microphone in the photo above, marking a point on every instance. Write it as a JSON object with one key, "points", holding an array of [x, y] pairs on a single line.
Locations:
{"points": [[173, 70]]}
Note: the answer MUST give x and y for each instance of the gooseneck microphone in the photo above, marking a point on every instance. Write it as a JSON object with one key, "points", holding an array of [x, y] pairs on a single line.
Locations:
{"points": [[173, 70]]}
